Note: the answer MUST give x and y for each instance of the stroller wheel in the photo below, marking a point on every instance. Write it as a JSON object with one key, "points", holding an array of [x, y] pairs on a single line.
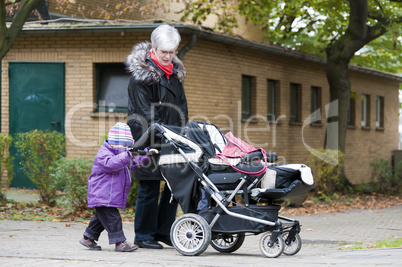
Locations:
{"points": [[294, 245], [190, 234], [227, 243], [275, 250]]}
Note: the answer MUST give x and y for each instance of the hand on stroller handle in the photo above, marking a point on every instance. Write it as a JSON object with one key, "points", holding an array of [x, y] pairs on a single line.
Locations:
{"points": [[150, 152]]}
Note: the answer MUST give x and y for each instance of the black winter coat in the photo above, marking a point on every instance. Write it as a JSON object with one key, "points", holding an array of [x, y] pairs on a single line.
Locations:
{"points": [[153, 98]]}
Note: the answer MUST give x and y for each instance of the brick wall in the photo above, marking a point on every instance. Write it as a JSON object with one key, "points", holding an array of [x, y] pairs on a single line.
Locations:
{"points": [[213, 89]]}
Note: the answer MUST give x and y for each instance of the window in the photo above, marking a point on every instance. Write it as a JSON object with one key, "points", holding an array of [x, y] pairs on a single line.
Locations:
{"points": [[272, 99], [248, 94], [379, 118], [352, 110], [111, 85], [315, 104], [366, 111], [295, 102]]}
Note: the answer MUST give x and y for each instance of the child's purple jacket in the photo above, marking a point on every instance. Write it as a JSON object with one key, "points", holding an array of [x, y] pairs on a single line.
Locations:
{"points": [[110, 179]]}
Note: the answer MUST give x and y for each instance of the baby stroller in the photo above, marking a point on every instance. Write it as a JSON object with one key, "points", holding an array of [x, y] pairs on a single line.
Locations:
{"points": [[188, 164]]}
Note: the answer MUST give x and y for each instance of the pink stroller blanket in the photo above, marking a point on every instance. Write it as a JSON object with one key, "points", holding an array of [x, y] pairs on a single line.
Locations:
{"points": [[237, 148]]}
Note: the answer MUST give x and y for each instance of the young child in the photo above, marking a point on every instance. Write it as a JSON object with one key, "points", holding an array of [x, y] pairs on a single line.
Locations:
{"points": [[108, 188]]}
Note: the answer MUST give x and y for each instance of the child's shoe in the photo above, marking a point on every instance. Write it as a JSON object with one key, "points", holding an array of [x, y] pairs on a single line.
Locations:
{"points": [[89, 243], [125, 247]]}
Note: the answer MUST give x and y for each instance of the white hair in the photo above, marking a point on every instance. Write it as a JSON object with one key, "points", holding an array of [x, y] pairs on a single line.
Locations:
{"points": [[165, 37]]}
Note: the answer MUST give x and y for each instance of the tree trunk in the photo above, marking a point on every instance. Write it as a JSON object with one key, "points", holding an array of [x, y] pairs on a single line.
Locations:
{"points": [[339, 88], [339, 53]]}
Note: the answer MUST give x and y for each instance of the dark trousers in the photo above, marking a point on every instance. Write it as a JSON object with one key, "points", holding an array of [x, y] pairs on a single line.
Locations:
{"points": [[106, 218], [152, 218]]}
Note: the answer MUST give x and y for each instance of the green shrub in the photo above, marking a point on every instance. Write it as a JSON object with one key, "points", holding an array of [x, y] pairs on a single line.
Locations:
{"points": [[327, 171], [102, 139], [385, 179], [39, 151], [6, 163], [72, 177]]}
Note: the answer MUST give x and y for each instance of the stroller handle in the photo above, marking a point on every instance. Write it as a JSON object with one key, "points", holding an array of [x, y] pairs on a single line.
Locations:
{"points": [[156, 126], [140, 143], [143, 153]]}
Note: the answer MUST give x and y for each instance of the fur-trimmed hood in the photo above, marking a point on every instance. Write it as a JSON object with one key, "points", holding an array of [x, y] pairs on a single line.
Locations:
{"points": [[141, 67]]}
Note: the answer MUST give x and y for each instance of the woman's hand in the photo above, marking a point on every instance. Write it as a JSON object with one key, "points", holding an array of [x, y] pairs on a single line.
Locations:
{"points": [[154, 151]]}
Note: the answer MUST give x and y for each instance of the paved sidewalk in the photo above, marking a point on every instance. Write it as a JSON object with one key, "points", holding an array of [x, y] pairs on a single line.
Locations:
{"points": [[27, 243], [22, 195]]}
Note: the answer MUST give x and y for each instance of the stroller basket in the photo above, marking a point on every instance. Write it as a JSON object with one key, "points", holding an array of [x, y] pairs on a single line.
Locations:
{"points": [[230, 224]]}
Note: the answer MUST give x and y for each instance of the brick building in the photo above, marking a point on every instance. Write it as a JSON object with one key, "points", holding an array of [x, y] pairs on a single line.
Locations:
{"points": [[263, 94]]}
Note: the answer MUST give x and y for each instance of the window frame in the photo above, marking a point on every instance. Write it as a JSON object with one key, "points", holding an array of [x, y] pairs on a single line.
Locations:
{"points": [[315, 103], [352, 110], [248, 96], [365, 111], [102, 71], [272, 99], [379, 122], [295, 103]]}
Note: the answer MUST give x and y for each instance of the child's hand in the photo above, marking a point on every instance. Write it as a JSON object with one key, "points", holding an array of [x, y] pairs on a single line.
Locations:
{"points": [[153, 150]]}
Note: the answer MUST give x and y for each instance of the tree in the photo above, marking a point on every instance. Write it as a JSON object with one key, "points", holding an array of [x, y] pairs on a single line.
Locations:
{"points": [[366, 23], [339, 29], [20, 11]]}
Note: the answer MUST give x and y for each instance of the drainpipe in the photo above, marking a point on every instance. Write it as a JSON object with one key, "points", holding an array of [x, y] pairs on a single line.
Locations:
{"points": [[188, 46]]}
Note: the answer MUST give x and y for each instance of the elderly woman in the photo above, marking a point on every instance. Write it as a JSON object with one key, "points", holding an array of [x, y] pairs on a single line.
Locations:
{"points": [[156, 94]]}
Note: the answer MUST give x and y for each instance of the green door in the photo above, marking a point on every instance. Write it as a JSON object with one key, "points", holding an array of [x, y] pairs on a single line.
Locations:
{"points": [[36, 102]]}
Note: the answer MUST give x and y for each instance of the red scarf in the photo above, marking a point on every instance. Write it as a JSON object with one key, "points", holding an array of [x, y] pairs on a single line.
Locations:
{"points": [[168, 70]]}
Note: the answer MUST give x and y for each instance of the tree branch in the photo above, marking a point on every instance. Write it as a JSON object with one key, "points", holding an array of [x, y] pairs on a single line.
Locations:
{"points": [[374, 32], [3, 26], [377, 15], [24, 10], [379, 5]]}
